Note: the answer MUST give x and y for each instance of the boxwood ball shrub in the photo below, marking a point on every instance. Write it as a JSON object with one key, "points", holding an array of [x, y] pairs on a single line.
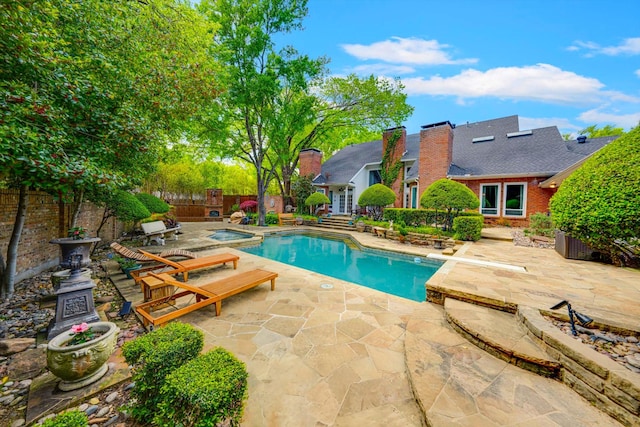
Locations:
{"points": [[153, 203], [599, 203], [204, 392], [375, 198], [126, 207], [154, 356], [68, 419], [468, 227], [450, 196]]}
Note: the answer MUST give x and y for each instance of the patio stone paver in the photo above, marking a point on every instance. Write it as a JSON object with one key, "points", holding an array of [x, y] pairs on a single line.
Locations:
{"points": [[339, 356]]}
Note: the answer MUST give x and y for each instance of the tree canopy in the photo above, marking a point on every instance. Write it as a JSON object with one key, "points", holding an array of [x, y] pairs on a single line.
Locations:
{"points": [[600, 203], [450, 196], [607, 130], [316, 199], [375, 198]]}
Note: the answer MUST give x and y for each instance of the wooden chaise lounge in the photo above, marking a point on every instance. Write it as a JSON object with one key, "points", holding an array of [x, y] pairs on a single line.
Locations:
{"points": [[207, 294], [143, 259], [187, 265]]}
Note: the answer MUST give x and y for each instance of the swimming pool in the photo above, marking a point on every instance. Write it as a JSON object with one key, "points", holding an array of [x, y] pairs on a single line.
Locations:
{"points": [[227, 235], [385, 271]]}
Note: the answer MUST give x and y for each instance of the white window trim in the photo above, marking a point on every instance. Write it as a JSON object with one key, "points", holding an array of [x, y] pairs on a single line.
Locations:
{"points": [[524, 201], [499, 199]]}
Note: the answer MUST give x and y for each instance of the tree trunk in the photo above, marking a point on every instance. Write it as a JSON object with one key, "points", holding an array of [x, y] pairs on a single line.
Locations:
{"points": [[9, 274], [77, 209]]}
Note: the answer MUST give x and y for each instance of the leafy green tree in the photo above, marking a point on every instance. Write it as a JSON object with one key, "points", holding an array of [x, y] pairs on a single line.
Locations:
{"points": [[606, 130], [256, 75], [303, 188], [339, 111], [316, 199], [85, 100], [450, 196], [375, 198], [600, 203]]}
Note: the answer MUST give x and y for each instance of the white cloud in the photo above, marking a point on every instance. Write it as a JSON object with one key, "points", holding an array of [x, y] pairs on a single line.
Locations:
{"points": [[630, 46], [382, 69], [637, 72], [596, 116], [542, 122], [406, 51], [540, 82]]}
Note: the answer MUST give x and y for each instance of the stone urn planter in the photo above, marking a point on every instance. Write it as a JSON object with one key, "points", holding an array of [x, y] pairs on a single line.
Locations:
{"points": [[82, 364], [70, 246]]}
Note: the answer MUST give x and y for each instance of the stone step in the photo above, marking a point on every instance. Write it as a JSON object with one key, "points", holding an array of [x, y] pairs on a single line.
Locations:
{"points": [[500, 334], [457, 384]]}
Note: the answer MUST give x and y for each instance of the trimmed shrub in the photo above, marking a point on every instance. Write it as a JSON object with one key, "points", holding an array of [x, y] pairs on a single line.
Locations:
{"points": [[450, 196], [468, 227], [540, 224], [600, 203], [153, 357], [375, 198], [73, 418], [316, 199], [153, 203], [204, 392], [126, 207]]}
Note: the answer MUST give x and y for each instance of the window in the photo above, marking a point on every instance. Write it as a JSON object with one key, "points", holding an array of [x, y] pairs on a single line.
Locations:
{"points": [[490, 199], [514, 199], [414, 197], [374, 177]]}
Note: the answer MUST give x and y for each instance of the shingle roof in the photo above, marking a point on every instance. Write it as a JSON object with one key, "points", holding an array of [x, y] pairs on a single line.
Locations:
{"points": [[540, 152]]}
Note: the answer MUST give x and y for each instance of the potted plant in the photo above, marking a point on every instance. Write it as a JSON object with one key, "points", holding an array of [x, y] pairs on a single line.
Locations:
{"points": [[128, 265], [79, 355]]}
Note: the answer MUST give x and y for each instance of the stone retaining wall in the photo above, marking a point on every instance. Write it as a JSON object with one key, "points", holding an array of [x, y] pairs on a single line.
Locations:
{"points": [[609, 386]]}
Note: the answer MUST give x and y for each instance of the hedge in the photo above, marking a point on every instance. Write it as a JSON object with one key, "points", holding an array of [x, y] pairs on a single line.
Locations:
{"points": [[204, 392], [468, 227], [421, 217], [153, 357]]}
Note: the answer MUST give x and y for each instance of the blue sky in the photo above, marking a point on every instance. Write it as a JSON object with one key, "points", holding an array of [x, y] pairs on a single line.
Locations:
{"points": [[564, 63]]}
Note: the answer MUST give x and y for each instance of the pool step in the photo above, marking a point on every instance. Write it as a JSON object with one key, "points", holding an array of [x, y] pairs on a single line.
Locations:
{"points": [[337, 223], [500, 334]]}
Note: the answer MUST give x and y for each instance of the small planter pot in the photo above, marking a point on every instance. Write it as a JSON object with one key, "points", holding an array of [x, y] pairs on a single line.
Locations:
{"points": [[81, 364], [127, 271]]}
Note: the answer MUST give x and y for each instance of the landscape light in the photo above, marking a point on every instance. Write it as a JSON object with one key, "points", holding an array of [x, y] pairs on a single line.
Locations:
{"points": [[582, 318]]}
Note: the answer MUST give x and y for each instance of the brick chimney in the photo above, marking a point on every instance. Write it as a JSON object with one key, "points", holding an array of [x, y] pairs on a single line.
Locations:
{"points": [[310, 162], [436, 153], [396, 155]]}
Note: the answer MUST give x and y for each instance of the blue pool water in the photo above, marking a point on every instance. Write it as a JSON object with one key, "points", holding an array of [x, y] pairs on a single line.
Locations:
{"points": [[226, 235], [385, 271]]}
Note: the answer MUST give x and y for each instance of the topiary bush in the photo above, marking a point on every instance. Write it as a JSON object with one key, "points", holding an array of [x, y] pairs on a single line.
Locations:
{"points": [[126, 207], [153, 203], [204, 392], [600, 202], [450, 196], [73, 418], [375, 198], [316, 199], [153, 357], [468, 227], [540, 224]]}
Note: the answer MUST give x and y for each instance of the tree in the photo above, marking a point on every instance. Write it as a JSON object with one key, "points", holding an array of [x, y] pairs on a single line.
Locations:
{"points": [[316, 199], [255, 76], [375, 198], [88, 89], [607, 130], [338, 112], [303, 188], [600, 203], [451, 196]]}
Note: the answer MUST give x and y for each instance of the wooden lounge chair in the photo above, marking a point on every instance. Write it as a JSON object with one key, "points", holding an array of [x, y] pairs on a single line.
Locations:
{"points": [[187, 265], [286, 219], [142, 258], [207, 294]]}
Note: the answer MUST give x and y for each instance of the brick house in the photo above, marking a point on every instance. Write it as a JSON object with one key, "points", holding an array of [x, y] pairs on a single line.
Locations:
{"points": [[513, 172]]}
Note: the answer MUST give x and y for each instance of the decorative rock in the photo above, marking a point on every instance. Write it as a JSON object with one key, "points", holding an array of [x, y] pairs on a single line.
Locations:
{"points": [[19, 422], [102, 412], [83, 407], [129, 386], [16, 401], [91, 410], [97, 421], [111, 421], [5, 400], [111, 397], [15, 345], [94, 401], [27, 364], [632, 339]]}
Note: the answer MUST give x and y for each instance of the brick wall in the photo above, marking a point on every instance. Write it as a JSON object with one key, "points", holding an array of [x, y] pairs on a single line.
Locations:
{"points": [[396, 155], [436, 153], [310, 162], [537, 199], [46, 220]]}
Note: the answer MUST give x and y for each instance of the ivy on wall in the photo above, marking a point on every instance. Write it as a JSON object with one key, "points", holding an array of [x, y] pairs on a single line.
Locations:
{"points": [[391, 168]]}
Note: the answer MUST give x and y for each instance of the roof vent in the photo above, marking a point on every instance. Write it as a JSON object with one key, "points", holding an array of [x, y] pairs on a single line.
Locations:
{"points": [[521, 133], [582, 139], [483, 139]]}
